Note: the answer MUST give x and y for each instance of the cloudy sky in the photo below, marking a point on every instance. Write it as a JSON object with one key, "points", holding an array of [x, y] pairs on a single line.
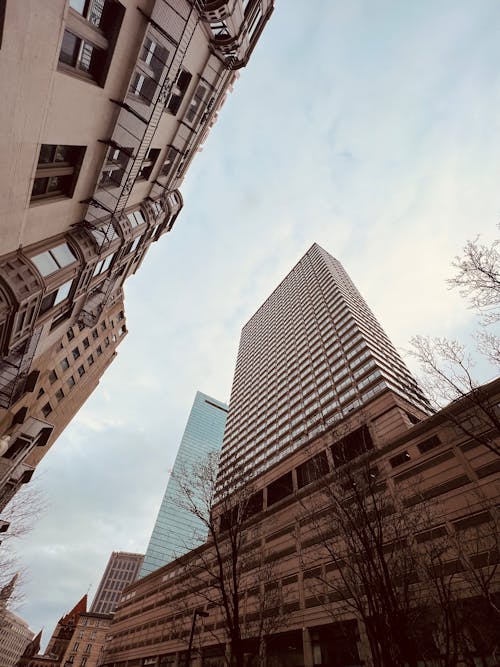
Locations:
{"points": [[371, 127]]}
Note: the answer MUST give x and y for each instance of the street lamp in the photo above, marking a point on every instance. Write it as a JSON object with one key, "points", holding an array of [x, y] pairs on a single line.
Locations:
{"points": [[202, 614]]}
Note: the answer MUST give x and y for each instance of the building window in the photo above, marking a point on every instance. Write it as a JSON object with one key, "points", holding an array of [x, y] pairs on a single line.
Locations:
{"points": [[115, 167], [149, 163], [71, 381], [46, 409], [75, 352], [55, 297], [3, 7], [133, 246], [81, 371], [52, 377], [57, 171], [90, 360], [152, 62], [87, 46], [399, 459], [95, 335], [196, 103], [430, 443], [19, 445], [178, 91], [59, 395], [312, 470], [64, 364], [143, 87], [86, 343], [53, 260], [70, 334], [279, 489], [136, 218], [103, 265], [169, 161], [99, 350]]}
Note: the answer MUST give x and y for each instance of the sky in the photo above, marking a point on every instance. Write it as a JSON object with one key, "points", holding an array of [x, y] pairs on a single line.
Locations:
{"points": [[370, 127]]}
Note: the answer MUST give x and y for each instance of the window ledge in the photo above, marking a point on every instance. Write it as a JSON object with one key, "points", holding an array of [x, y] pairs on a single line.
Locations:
{"points": [[48, 200], [77, 74]]}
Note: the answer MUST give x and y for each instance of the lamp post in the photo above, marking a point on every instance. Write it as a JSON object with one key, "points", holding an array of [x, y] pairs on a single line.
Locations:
{"points": [[202, 614]]}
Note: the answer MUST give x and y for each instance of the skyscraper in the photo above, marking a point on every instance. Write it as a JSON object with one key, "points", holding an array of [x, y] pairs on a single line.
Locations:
{"points": [[318, 385], [121, 570], [176, 531], [312, 354]]}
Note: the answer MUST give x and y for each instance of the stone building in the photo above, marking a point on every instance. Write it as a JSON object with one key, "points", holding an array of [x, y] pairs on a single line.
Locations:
{"points": [[59, 642], [105, 104], [15, 633], [87, 646]]}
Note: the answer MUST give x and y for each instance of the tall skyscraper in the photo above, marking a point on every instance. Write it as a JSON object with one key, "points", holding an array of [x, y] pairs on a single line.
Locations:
{"points": [[105, 103], [176, 530], [317, 385], [122, 569], [312, 354]]}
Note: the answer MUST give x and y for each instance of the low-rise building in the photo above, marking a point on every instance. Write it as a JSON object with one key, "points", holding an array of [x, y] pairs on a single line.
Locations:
{"points": [[59, 642], [87, 646], [15, 635]]}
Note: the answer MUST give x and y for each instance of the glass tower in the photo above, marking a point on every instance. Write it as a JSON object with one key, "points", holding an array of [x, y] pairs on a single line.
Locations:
{"points": [[176, 530], [310, 355]]}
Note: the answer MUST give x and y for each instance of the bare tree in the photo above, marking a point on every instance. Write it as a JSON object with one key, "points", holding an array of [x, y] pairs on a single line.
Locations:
{"points": [[17, 519], [478, 277], [447, 367], [230, 575], [421, 590], [365, 567]]}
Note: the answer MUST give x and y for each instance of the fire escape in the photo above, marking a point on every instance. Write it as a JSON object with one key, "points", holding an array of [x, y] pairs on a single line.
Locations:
{"points": [[15, 378]]}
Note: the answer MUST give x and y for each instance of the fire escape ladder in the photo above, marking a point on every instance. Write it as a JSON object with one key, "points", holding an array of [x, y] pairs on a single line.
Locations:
{"points": [[14, 370]]}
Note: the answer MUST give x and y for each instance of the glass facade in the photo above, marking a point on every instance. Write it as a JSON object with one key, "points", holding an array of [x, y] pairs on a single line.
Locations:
{"points": [[310, 355], [176, 531]]}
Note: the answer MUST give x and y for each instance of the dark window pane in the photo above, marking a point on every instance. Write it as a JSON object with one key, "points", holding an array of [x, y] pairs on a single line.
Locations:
{"points": [[61, 154], [55, 184], [69, 49], [39, 187], [48, 302], [46, 153]]}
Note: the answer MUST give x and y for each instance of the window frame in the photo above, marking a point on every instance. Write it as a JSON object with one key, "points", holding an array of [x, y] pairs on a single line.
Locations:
{"points": [[57, 168], [96, 30]]}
